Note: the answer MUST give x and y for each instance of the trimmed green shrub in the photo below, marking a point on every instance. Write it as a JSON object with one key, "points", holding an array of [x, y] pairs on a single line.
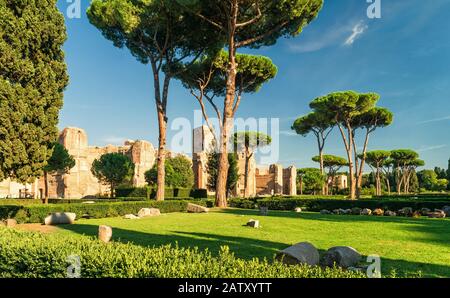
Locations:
{"points": [[37, 213], [137, 192], [199, 193], [34, 255], [317, 205], [150, 192]]}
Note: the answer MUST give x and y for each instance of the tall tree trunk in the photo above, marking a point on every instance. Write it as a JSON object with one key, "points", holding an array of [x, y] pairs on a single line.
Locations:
{"points": [[322, 169], [111, 194], [348, 147], [361, 167], [247, 160], [161, 108], [161, 157], [221, 185], [45, 187]]}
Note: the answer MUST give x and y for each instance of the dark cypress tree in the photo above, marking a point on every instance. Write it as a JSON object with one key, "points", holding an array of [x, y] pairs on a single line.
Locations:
{"points": [[33, 77]]}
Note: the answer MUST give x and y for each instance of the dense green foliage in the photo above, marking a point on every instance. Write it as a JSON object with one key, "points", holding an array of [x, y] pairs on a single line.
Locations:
{"points": [[289, 204], [33, 77], [179, 173], [60, 160], [429, 180], [113, 169], [37, 213], [150, 192], [29, 255], [310, 180]]}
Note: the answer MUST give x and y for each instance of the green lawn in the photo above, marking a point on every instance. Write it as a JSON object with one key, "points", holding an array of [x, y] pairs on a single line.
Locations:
{"points": [[405, 244]]}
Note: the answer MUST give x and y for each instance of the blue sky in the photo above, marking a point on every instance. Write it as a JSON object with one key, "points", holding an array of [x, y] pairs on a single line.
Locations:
{"points": [[404, 56]]}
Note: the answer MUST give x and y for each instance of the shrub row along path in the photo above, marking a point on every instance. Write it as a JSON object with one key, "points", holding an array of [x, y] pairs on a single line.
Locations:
{"points": [[407, 245]]}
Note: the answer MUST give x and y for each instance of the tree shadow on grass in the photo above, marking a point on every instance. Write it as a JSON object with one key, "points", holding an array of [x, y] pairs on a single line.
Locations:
{"points": [[436, 230], [242, 247]]}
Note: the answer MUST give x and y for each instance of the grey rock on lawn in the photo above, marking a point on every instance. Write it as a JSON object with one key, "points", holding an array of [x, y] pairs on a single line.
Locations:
{"points": [[298, 210], [407, 211], [325, 212], [60, 218], [131, 216], [342, 256], [446, 210], [253, 223], [193, 208], [104, 233], [9, 223], [366, 211], [147, 212], [390, 213], [437, 214], [425, 211], [300, 253], [348, 211], [356, 211], [338, 211]]}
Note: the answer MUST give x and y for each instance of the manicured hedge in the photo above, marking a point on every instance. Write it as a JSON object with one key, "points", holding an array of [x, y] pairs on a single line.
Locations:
{"points": [[37, 213], [318, 204], [150, 192], [34, 255]]}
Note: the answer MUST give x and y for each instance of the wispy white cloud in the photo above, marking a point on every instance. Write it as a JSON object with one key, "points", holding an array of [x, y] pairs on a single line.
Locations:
{"points": [[435, 120], [357, 31], [336, 36], [288, 133], [431, 148]]}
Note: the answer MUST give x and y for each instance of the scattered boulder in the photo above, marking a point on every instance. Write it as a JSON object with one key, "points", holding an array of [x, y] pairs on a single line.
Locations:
{"points": [[298, 210], [193, 208], [425, 211], [356, 211], [300, 253], [264, 210], [60, 218], [366, 211], [147, 212], [407, 211], [9, 223], [347, 212], [338, 211], [446, 210], [131, 216], [390, 213], [253, 223], [437, 214], [104, 233], [325, 212], [378, 212], [342, 256]]}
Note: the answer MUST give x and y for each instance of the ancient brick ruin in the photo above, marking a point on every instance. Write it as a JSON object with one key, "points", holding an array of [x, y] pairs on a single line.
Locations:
{"points": [[80, 183], [261, 181]]}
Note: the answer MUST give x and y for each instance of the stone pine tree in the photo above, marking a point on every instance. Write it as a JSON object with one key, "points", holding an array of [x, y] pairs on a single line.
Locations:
{"points": [[33, 77], [352, 111], [376, 159], [405, 162], [159, 33], [333, 164], [113, 169], [321, 126], [252, 24], [248, 142], [60, 161], [206, 79]]}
